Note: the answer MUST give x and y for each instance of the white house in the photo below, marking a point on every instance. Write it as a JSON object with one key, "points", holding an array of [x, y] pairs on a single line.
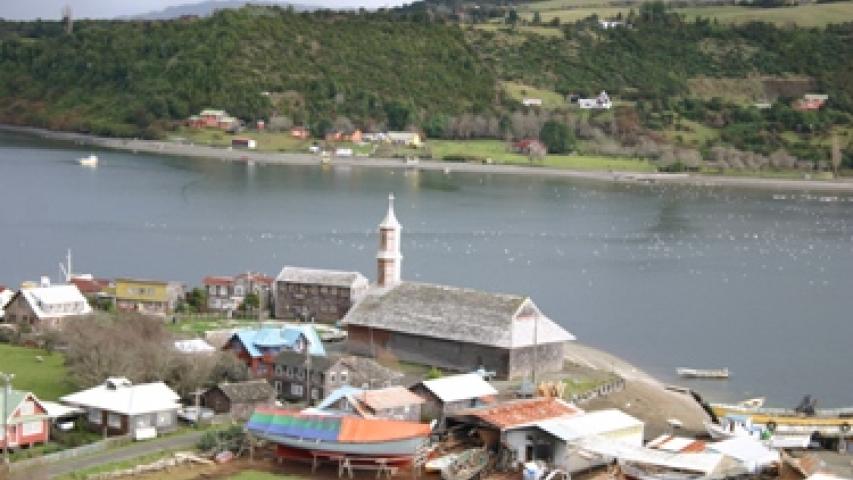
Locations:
{"points": [[531, 102], [194, 346], [605, 24], [46, 306], [601, 102], [119, 407]]}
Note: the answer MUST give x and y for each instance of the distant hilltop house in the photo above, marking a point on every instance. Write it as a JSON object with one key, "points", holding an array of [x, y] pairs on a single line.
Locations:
{"points": [[317, 295], [149, 297], [601, 102], [354, 136], [409, 139], [213, 119], [810, 101], [449, 327], [227, 293], [606, 24], [46, 306], [531, 102], [301, 133]]}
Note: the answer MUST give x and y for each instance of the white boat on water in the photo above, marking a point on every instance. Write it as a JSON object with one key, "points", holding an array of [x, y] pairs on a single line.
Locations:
{"points": [[700, 373], [90, 161]]}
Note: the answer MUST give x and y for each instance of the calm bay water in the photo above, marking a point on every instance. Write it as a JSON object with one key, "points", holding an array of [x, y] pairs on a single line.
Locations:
{"points": [[665, 276]]}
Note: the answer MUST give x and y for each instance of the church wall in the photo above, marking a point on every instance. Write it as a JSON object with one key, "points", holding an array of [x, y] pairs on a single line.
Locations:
{"points": [[549, 358]]}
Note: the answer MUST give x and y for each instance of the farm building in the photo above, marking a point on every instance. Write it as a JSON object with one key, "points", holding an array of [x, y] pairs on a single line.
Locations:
{"points": [[239, 399]]}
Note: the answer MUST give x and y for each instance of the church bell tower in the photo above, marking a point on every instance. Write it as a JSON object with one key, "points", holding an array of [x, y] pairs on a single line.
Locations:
{"points": [[388, 259]]}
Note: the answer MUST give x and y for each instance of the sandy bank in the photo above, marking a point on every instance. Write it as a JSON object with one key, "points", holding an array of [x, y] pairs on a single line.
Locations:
{"points": [[191, 150]]}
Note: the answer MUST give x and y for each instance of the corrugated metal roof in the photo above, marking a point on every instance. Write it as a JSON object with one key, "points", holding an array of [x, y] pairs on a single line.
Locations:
{"points": [[56, 301], [391, 397], [269, 337], [522, 412], [589, 424], [459, 387], [126, 400], [671, 443]]}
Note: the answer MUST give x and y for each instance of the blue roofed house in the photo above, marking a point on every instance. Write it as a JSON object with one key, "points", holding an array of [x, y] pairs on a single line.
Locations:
{"points": [[260, 347]]}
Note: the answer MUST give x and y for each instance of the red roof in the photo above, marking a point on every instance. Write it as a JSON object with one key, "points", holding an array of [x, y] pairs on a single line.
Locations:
{"points": [[257, 277], [2, 287], [522, 412], [89, 286], [222, 280]]}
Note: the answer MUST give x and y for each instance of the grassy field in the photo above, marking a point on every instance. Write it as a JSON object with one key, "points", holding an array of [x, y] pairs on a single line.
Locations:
{"points": [[545, 31], [47, 379], [811, 15], [496, 150], [519, 91], [267, 141]]}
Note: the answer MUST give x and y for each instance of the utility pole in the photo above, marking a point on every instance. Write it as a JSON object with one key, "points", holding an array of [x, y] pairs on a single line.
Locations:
{"points": [[7, 392]]}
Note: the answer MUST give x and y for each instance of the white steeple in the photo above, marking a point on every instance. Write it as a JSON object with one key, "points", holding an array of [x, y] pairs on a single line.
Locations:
{"points": [[388, 259]]}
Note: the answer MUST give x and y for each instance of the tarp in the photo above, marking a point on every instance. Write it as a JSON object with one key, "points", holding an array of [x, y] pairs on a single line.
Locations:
{"points": [[704, 463], [288, 423]]}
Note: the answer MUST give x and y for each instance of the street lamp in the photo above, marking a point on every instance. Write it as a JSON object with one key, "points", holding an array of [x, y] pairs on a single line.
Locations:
{"points": [[7, 392]]}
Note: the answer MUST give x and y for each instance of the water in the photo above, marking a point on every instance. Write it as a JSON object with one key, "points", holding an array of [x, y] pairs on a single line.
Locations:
{"points": [[665, 276]]}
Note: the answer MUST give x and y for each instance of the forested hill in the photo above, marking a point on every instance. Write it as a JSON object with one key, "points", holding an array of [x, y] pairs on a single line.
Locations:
{"points": [[120, 77], [136, 77]]}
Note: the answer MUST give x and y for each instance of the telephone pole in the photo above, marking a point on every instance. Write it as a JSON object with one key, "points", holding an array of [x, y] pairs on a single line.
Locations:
{"points": [[7, 392]]}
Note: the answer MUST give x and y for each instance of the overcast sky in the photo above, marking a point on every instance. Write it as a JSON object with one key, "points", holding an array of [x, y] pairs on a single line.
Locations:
{"points": [[52, 9]]}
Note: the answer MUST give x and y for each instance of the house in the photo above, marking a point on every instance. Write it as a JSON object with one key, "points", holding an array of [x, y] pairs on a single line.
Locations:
{"points": [[301, 133], [318, 295], [327, 375], [354, 136], [448, 395], [527, 145], [226, 293], [96, 290], [242, 142], [47, 306], [810, 101], [5, 296], [607, 24], [26, 421], [210, 118], [601, 102], [150, 297], [409, 139], [259, 348], [531, 102], [513, 425], [117, 407], [239, 399], [458, 329]]}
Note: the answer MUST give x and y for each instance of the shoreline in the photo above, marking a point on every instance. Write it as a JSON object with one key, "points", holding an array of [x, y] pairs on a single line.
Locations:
{"points": [[306, 159]]}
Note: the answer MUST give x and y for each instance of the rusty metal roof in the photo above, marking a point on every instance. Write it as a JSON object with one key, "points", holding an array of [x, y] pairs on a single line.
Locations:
{"points": [[522, 412]]}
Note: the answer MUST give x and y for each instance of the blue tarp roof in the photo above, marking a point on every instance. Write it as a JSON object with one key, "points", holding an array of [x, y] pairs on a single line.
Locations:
{"points": [[288, 337]]}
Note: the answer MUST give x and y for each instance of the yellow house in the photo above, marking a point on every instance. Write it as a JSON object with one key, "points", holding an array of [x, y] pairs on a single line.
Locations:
{"points": [[146, 296], [410, 139]]}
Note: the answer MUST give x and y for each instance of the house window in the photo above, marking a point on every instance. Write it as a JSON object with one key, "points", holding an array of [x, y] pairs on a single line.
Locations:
{"points": [[164, 419], [277, 385], [142, 421], [333, 377], [344, 376], [297, 390], [300, 374], [94, 417], [279, 369], [33, 428], [290, 371], [315, 394], [113, 420], [28, 408]]}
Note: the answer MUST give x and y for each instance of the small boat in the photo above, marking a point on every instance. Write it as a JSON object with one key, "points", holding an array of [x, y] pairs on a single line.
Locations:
{"points": [[466, 465], [90, 161], [756, 402], [332, 435], [733, 426], [717, 373]]}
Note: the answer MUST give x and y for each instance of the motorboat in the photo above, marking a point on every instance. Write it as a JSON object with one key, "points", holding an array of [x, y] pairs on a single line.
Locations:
{"points": [[90, 161], [715, 373]]}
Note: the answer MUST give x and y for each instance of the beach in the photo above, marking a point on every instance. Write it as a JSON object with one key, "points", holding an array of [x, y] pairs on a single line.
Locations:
{"points": [[272, 158]]}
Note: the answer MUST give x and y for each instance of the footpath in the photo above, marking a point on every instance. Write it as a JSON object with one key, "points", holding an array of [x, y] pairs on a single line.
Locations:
{"points": [[35, 469]]}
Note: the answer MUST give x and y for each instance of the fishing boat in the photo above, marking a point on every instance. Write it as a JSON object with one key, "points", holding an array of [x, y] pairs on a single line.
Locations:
{"points": [[830, 422], [90, 161], [715, 373], [308, 435]]}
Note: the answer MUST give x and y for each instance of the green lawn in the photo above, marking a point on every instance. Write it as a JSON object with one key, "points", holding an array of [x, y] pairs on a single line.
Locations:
{"points": [[47, 379], [496, 150], [811, 15], [520, 91]]}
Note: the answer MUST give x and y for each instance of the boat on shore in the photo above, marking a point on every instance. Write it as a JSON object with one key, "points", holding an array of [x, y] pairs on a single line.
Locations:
{"points": [[338, 435], [739, 426], [828, 422], [714, 373], [90, 161]]}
